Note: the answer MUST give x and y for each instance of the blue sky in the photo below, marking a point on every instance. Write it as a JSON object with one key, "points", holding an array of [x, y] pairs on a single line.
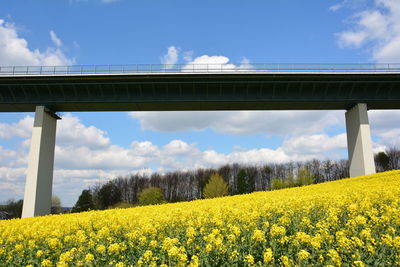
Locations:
{"points": [[93, 147]]}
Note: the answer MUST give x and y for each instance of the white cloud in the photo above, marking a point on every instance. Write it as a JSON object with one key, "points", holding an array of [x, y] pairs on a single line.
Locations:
{"points": [[335, 7], [209, 63], [314, 144], [14, 50], [377, 29], [202, 63], [385, 125], [71, 132], [22, 128], [171, 58], [240, 122], [55, 39]]}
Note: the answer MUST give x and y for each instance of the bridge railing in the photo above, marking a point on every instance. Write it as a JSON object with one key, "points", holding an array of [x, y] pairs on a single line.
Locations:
{"points": [[197, 68]]}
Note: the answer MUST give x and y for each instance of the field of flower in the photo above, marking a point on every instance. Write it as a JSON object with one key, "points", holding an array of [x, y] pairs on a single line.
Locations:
{"points": [[351, 222]]}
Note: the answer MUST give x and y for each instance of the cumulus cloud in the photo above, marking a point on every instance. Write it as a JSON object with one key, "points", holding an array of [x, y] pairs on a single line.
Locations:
{"points": [[22, 128], [202, 63], [215, 64], [377, 29], [171, 58], [385, 125], [240, 122], [14, 50]]}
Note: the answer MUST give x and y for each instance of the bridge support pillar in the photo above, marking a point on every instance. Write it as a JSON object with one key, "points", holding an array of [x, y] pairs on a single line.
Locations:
{"points": [[359, 144], [39, 178]]}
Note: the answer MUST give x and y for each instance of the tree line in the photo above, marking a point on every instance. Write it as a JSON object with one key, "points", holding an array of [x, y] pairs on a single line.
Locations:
{"points": [[240, 179], [189, 185]]}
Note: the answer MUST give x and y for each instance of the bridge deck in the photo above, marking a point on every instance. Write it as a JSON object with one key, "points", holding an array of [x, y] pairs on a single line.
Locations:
{"points": [[223, 90]]}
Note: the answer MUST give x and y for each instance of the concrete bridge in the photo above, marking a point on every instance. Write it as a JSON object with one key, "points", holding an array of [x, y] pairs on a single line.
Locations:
{"points": [[48, 90]]}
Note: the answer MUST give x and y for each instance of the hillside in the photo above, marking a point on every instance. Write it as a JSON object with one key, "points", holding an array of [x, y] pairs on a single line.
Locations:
{"points": [[353, 221]]}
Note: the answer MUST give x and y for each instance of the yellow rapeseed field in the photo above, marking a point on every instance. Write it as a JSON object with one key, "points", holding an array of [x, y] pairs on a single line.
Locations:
{"points": [[351, 222]]}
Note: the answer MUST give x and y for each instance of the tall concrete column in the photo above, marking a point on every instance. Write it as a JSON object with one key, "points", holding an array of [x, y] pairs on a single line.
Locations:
{"points": [[39, 178], [359, 142]]}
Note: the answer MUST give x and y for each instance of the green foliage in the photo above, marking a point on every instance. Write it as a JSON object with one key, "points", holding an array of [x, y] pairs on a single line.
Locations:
{"points": [[121, 205], [151, 196], [305, 177], [382, 161], [108, 195], [12, 209], [84, 203], [277, 184], [216, 187], [241, 182]]}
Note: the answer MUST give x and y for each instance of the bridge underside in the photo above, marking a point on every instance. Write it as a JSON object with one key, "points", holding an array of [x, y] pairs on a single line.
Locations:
{"points": [[159, 92]]}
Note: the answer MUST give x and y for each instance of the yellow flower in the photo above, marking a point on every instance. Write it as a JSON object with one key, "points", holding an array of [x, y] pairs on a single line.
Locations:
{"points": [[277, 230], [234, 255], [190, 232], [62, 264], [303, 254], [249, 259], [334, 255], [18, 247], [113, 248], [46, 263], [153, 243], [258, 235], [66, 257], [101, 249], [361, 220], [173, 251], [268, 255], [285, 261], [358, 264], [53, 243], [89, 257], [194, 261], [39, 253]]}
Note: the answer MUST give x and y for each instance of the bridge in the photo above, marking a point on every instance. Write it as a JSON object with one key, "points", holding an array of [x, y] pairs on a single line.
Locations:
{"points": [[47, 90]]}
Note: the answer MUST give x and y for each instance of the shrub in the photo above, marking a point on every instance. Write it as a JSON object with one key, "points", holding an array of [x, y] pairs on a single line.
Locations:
{"points": [[216, 187], [121, 205], [151, 196], [305, 177], [277, 184]]}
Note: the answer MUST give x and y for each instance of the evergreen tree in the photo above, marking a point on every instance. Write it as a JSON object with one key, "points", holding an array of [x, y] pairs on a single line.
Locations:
{"points": [[84, 203], [382, 161], [216, 187], [108, 195], [241, 182]]}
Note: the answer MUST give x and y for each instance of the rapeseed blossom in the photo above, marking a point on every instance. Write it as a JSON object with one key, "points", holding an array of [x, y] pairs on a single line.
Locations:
{"points": [[352, 222]]}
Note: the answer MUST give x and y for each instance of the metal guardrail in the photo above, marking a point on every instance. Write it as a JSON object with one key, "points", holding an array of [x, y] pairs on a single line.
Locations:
{"points": [[196, 68]]}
